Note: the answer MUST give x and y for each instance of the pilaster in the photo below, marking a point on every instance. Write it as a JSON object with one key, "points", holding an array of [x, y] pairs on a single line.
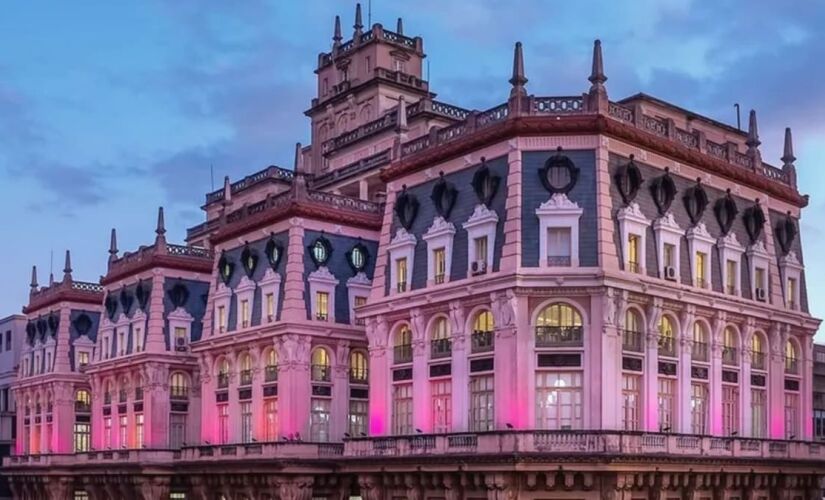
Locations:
{"points": [[294, 308], [422, 414], [511, 247], [155, 340], [460, 367]]}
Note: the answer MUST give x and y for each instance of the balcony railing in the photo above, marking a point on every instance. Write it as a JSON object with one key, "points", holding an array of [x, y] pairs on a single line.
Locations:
{"points": [[729, 356], [791, 365], [138, 393], [633, 341], [223, 380], [439, 278], [633, 267], [401, 287], [178, 392], [107, 398], [246, 377], [321, 373], [758, 360], [402, 353], [271, 373], [122, 396], [667, 345], [82, 407], [699, 351], [358, 375], [482, 341], [441, 348], [558, 261], [558, 336]]}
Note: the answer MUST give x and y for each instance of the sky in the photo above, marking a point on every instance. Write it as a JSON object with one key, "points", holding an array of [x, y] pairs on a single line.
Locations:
{"points": [[111, 109]]}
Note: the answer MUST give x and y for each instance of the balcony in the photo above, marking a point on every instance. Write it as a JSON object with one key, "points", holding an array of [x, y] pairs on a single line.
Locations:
{"points": [[322, 316], [179, 393], [82, 407], [122, 396], [558, 261], [439, 278], [257, 451], [246, 377], [792, 366], [402, 353], [757, 360], [633, 267], [730, 356], [401, 287], [633, 341], [441, 348], [138, 393], [558, 336], [321, 373], [271, 373], [223, 380], [667, 346], [107, 398], [482, 341], [358, 376], [699, 351]]}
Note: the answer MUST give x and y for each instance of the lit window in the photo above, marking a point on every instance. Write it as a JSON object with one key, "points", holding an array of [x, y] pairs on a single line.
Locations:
{"points": [[319, 420], [322, 306], [402, 350], [558, 324], [730, 341], [178, 386], [138, 336], [667, 345], [401, 274], [730, 410], [441, 345], [440, 264], [180, 338], [441, 403], [221, 319], [359, 301], [139, 430], [271, 371], [757, 353], [632, 337], [402, 398], [633, 252], [246, 422], [124, 431], [482, 403], [790, 291], [701, 270], [759, 413], [559, 400], [82, 435], [358, 367], [759, 278], [730, 277], [107, 432], [244, 314], [558, 246], [82, 359], [223, 424], [320, 365], [699, 408], [791, 361], [631, 398], [667, 404], [246, 370], [270, 307], [271, 419]]}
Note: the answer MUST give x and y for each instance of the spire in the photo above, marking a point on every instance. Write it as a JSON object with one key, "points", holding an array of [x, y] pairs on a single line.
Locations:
{"points": [[51, 279], [399, 27], [753, 133], [597, 77], [113, 245], [518, 80], [33, 284], [336, 37], [227, 190], [358, 24], [298, 165], [788, 158], [401, 118], [67, 267]]}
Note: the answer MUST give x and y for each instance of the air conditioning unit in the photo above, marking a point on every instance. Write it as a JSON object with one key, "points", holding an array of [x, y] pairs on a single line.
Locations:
{"points": [[478, 267], [761, 296], [670, 273], [180, 344]]}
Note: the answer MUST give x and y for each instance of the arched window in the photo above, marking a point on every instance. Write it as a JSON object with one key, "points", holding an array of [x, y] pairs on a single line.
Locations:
{"points": [[358, 367], [559, 325], [246, 369], [729, 343], [320, 365], [667, 344], [123, 392], [402, 347], [757, 352], [699, 351], [138, 388], [632, 336], [271, 370], [482, 337], [82, 431], [791, 358], [107, 393], [178, 386], [441, 346], [223, 374]]}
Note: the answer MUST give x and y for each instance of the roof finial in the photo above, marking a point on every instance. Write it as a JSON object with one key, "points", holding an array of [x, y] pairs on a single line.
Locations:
{"points": [[227, 190], [788, 158], [33, 284], [298, 165], [401, 118], [67, 267], [336, 35], [518, 80], [597, 77], [358, 24], [160, 230], [753, 134], [399, 27], [51, 279], [113, 245]]}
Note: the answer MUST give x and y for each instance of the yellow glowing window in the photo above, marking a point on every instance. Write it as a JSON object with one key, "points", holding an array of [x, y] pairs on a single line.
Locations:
{"points": [[270, 306], [244, 313], [321, 306], [730, 276], [221, 318], [440, 265], [401, 274], [633, 243], [701, 260], [483, 322], [791, 292]]}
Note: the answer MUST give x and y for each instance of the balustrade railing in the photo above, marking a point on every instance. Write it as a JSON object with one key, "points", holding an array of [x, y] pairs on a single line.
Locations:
{"points": [[358, 375], [402, 353], [633, 341], [321, 373], [441, 348], [730, 356], [482, 341], [558, 336], [271, 373], [699, 351], [667, 345]]}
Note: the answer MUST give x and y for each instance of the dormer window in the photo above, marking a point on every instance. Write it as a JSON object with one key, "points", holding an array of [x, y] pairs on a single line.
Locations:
{"points": [[731, 270], [244, 314], [221, 319], [322, 306], [440, 264], [700, 270], [633, 253], [558, 246], [633, 226], [791, 293], [730, 254], [270, 307], [180, 338], [480, 245], [401, 274], [82, 360]]}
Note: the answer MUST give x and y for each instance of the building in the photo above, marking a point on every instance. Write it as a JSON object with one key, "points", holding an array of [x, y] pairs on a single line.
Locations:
{"points": [[819, 392], [557, 297], [12, 330]]}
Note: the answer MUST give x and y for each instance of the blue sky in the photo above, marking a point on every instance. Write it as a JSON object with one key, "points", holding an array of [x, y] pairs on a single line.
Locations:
{"points": [[110, 109]]}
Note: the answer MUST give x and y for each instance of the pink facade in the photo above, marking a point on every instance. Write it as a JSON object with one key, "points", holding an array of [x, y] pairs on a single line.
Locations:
{"points": [[558, 297]]}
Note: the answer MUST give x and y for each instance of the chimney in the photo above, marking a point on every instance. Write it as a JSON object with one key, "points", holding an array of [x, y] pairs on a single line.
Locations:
{"points": [[399, 26]]}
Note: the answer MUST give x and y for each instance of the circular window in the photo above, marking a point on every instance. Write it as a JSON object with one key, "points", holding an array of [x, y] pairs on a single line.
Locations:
{"points": [[559, 174], [358, 258], [320, 251]]}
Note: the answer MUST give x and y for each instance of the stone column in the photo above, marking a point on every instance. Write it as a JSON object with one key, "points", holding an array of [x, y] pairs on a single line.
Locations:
{"points": [[156, 405], [806, 370], [715, 376], [258, 417], [208, 417], [684, 368], [371, 488], [776, 383], [63, 417], [234, 425], [380, 377], [510, 402], [460, 367], [340, 392], [422, 403], [511, 248], [294, 386], [650, 400], [746, 425]]}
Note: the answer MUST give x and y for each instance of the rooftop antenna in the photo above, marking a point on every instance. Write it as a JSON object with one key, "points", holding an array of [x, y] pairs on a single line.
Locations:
{"points": [[738, 119], [212, 175], [428, 71], [369, 13]]}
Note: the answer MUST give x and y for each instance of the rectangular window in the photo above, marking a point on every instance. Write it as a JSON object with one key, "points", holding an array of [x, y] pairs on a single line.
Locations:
{"points": [[559, 400], [358, 410], [223, 424], [246, 422], [244, 314], [8, 340], [791, 415], [633, 252], [698, 408], [439, 265], [558, 246], [482, 403], [759, 278], [81, 495], [730, 277], [271, 419], [669, 255], [791, 293], [441, 392], [82, 433], [402, 398], [319, 420], [322, 306], [270, 307], [667, 404], [401, 274], [107, 432], [630, 402], [221, 319], [730, 410], [481, 249], [107, 348], [48, 361], [138, 430], [124, 432], [138, 339], [177, 430], [759, 414], [121, 342], [180, 338], [359, 301], [700, 271]]}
